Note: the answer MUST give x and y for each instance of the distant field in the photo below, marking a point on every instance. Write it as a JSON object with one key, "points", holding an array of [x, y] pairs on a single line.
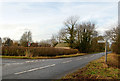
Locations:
{"points": [[62, 45], [97, 69]]}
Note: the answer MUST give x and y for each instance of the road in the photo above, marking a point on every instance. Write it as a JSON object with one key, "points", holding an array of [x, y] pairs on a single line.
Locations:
{"points": [[44, 68]]}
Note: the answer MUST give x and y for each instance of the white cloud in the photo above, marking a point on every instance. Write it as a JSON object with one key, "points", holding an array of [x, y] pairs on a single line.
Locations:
{"points": [[59, 0], [45, 19]]}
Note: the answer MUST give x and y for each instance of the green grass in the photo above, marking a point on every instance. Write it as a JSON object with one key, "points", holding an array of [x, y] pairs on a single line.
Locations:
{"points": [[97, 69]]}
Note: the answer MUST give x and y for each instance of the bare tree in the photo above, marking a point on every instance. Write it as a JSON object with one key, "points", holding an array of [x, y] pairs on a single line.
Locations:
{"points": [[25, 38], [70, 27], [7, 41], [85, 34], [54, 41], [45, 43], [114, 35], [62, 35]]}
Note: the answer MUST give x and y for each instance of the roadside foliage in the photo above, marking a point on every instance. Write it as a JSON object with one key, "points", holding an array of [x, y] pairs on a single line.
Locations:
{"points": [[98, 69], [36, 51]]}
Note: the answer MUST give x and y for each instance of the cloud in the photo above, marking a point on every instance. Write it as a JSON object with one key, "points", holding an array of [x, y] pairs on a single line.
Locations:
{"points": [[46, 18], [59, 0]]}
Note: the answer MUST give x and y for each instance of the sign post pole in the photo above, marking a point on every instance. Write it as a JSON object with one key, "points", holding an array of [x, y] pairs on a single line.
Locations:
{"points": [[106, 51], [0, 46]]}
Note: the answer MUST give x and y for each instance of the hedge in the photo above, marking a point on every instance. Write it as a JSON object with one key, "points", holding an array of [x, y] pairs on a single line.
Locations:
{"points": [[36, 51]]}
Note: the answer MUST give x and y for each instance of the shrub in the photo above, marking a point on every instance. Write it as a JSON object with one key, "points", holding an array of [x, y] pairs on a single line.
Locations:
{"points": [[36, 51], [13, 51]]}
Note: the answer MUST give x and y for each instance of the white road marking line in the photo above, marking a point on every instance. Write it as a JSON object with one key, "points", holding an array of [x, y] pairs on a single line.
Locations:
{"points": [[7, 64], [34, 69], [20, 72], [27, 61], [92, 56], [14, 63], [67, 61], [86, 57], [42, 60], [36, 60], [79, 58]]}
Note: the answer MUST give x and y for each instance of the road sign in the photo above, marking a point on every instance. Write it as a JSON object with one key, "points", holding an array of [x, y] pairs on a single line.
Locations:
{"points": [[28, 43]]}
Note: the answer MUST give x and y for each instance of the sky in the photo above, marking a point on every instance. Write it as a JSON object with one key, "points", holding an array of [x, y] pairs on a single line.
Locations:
{"points": [[46, 18]]}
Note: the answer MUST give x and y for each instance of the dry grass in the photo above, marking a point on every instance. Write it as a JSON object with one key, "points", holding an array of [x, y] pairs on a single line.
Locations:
{"points": [[97, 69], [44, 57]]}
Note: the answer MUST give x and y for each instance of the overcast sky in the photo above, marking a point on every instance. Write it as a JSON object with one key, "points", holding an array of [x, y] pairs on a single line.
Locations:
{"points": [[46, 18]]}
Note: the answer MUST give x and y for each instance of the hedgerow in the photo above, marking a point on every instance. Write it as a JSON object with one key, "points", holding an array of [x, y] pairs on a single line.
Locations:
{"points": [[36, 51]]}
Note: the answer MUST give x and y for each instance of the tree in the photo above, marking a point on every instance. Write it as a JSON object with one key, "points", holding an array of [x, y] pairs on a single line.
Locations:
{"points": [[116, 44], [62, 35], [25, 38], [114, 35], [54, 41], [45, 43], [70, 27], [85, 34], [15, 43], [96, 46], [77, 35], [7, 41]]}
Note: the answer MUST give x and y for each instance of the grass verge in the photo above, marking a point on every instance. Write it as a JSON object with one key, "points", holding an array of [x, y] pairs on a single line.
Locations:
{"points": [[44, 57], [97, 69], [47, 57]]}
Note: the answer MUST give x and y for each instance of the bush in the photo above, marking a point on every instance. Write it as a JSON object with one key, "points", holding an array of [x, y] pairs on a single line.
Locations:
{"points": [[13, 51], [116, 48], [36, 51]]}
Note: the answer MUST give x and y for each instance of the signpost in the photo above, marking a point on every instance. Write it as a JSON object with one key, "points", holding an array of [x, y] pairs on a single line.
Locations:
{"points": [[105, 48], [106, 51], [0, 46]]}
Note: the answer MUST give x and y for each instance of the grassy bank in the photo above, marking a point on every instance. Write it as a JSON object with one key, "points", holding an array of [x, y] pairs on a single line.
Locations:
{"points": [[47, 57], [44, 57], [97, 69]]}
